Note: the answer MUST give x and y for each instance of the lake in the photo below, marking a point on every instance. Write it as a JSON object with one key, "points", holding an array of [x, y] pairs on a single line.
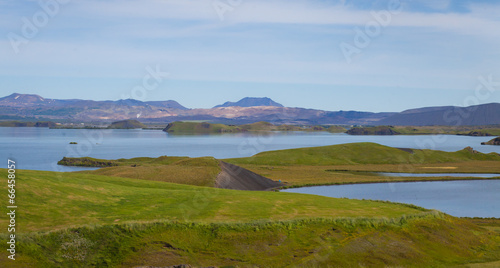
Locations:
{"points": [[41, 148], [477, 198]]}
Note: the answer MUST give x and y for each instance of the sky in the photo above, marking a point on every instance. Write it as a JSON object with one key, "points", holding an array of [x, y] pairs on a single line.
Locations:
{"points": [[379, 56]]}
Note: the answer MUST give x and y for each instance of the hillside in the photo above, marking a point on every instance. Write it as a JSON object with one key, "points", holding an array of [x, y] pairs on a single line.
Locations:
{"points": [[246, 111], [200, 128], [127, 124], [486, 114], [339, 164], [381, 130], [34, 106], [250, 102], [360, 153], [102, 221]]}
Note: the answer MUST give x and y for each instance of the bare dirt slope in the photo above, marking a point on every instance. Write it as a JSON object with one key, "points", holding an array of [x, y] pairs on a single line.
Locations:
{"points": [[238, 178]]}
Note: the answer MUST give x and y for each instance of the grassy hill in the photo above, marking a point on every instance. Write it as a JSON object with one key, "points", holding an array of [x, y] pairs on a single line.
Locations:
{"points": [[361, 162], [487, 130], [204, 127], [360, 153], [200, 128], [192, 171], [336, 129], [379, 130], [87, 220], [336, 164], [126, 124]]}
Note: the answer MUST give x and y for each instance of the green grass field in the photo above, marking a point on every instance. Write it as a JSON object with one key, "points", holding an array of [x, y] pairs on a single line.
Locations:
{"points": [[85, 220], [360, 153], [60, 200]]}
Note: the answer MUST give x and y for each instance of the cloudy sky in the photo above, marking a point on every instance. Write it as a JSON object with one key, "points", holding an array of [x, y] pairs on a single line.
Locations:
{"points": [[381, 55]]}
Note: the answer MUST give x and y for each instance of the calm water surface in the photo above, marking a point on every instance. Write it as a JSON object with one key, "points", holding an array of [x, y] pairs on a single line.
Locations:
{"points": [[479, 198], [41, 148]]}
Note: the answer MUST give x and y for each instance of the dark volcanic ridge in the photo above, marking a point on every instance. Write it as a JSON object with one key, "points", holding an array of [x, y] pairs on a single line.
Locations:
{"points": [[238, 178]]}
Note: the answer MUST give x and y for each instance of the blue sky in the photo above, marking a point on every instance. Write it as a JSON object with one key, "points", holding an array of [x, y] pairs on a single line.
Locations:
{"points": [[421, 53]]}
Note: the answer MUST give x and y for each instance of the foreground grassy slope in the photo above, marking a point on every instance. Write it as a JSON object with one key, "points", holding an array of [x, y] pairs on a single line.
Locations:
{"points": [[432, 240], [58, 200], [88, 220]]}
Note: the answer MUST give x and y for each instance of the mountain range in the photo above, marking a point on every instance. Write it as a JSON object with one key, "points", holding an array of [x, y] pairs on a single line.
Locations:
{"points": [[250, 102], [247, 110]]}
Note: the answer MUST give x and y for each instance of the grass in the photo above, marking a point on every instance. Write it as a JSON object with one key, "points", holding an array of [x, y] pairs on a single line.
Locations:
{"points": [[360, 153], [425, 240], [358, 163], [191, 171], [126, 124], [304, 175], [338, 164], [490, 130], [336, 129], [53, 200], [204, 127], [200, 128], [88, 219]]}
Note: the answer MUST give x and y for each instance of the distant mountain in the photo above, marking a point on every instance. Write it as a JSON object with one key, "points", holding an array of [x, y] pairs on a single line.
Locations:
{"points": [[34, 106], [23, 100], [251, 102], [245, 111], [167, 104], [485, 114]]}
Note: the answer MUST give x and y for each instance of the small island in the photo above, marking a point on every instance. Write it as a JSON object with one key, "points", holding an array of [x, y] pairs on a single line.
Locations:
{"points": [[495, 141], [379, 130], [126, 124], [181, 127]]}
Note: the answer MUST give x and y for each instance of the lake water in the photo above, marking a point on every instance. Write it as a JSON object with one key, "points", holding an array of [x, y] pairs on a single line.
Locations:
{"points": [[479, 198], [41, 148]]}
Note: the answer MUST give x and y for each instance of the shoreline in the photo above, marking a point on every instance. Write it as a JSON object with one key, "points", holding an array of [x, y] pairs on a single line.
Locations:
{"points": [[395, 181]]}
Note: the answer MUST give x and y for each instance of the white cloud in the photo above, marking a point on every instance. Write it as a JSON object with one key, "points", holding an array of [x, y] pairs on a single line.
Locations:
{"points": [[290, 12]]}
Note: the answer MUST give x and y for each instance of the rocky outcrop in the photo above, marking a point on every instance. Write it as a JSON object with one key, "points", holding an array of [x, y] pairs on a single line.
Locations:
{"points": [[381, 130], [495, 141]]}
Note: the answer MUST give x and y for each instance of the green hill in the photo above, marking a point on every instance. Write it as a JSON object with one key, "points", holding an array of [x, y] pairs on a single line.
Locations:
{"points": [[336, 129], [360, 153], [200, 128], [379, 130], [191, 171], [126, 124]]}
